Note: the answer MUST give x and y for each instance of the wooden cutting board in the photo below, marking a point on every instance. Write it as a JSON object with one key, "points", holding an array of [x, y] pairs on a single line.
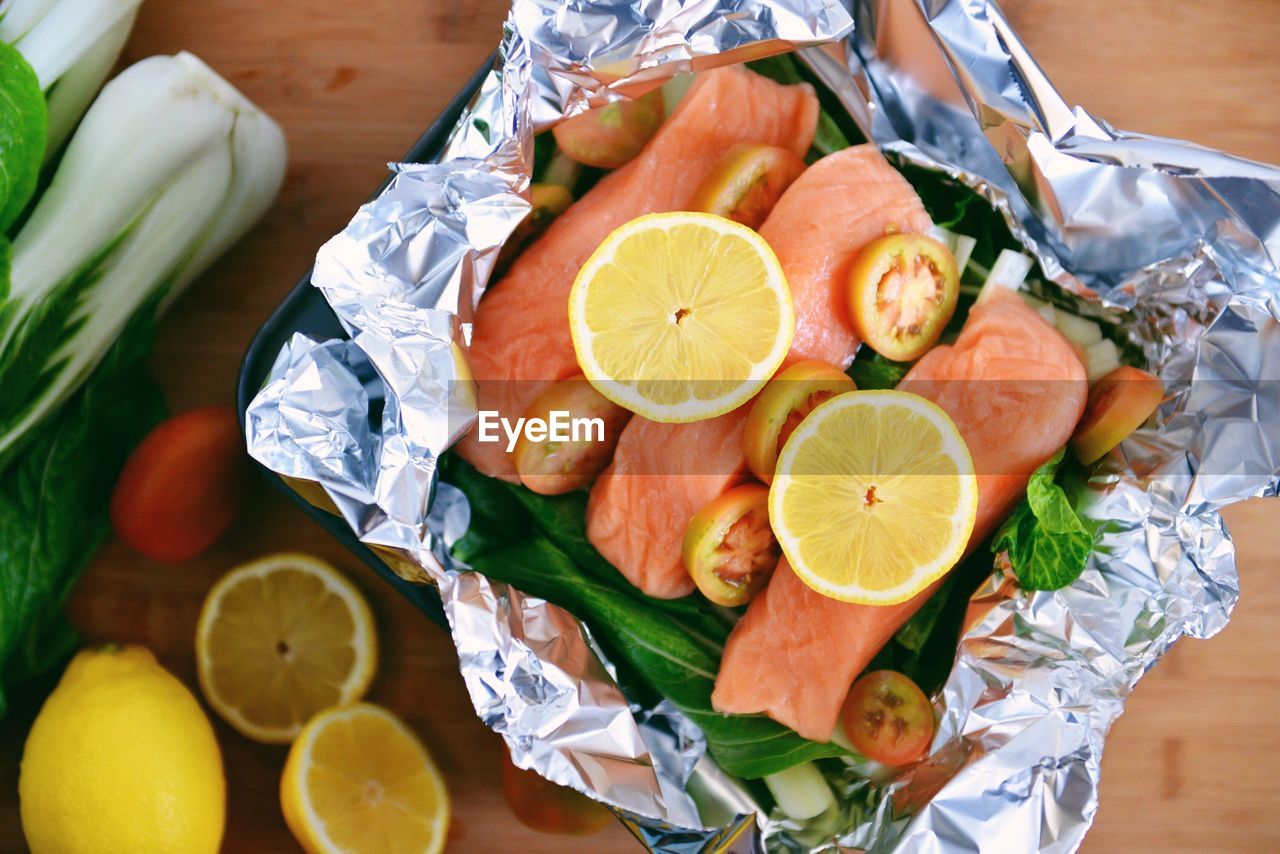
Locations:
{"points": [[1189, 765]]}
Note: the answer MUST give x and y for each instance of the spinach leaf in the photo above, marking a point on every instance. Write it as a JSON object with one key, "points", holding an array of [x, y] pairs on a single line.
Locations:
{"points": [[871, 371], [675, 665], [1047, 542], [24, 129], [54, 496], [672, 646]]}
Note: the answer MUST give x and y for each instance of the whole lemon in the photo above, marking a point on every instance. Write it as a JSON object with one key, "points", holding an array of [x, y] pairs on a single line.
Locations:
{"points": [[121, 759]]}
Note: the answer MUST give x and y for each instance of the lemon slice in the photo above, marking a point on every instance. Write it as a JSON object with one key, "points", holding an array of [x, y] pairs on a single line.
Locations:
{"points": [[280, 639], [874, 497], [681, 316], [357, 779]]}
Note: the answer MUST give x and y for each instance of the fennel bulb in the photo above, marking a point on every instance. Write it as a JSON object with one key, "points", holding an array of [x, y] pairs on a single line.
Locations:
{"points": [[169, 167]]}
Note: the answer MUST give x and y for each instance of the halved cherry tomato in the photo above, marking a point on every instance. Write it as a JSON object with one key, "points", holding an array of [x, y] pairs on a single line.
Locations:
{"points": [[546, 807], [780, 408], [729, 548], [611, 135], [902, 292], [181, 487], [747, 182], [888, 718], [1119, 403], [554, 466]]}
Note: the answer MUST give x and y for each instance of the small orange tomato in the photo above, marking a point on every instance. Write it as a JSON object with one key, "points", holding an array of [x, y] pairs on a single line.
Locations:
{"points": [[747, 182], [729, 548], [541, 805], [181, 487], [902, 292], [1118, 404], [610, 135], [888, 718], [780, 408], [571, 459]]}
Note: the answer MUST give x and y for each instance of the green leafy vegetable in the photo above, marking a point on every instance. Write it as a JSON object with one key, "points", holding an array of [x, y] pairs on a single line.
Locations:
{"points": [[54, 497], [672, 647], [1047, 541], [871, 371], [24, 125]]}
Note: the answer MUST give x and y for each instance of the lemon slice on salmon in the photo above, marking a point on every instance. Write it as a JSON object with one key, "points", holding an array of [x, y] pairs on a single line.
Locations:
{"points": [[278, 640], [874, 497], [358, 780], [681, 316]]}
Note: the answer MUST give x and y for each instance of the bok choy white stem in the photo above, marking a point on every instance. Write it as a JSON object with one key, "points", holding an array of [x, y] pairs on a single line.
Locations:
{"points": [[169, 167], [72, 46]]}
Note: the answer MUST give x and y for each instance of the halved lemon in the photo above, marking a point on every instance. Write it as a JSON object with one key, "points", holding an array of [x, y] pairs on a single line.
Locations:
{"points": [[357, 779], [281, 638], [681, 316], [874, 497]]}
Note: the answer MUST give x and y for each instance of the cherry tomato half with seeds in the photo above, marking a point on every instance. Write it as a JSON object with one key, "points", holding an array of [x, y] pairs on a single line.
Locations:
{"points": [[546, 807], [902, 293], [1119, 403], [610, 135], [782, 405], [588, 426], [180, 489], [729, 548], [747, 182], [888, 719]]}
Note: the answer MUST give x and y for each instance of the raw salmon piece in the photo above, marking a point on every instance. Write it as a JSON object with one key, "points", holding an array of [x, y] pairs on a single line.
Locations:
{"points": [[818, 227], [660, 476], [836, 207], [1015, 390], [521, 341]]}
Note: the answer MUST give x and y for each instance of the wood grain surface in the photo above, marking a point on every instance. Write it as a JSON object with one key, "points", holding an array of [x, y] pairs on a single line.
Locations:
{"points": [[1188, 767]]}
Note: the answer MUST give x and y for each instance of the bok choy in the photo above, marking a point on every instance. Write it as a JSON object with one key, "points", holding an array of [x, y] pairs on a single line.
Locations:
{"points": [[72, 46], [169, 167]]}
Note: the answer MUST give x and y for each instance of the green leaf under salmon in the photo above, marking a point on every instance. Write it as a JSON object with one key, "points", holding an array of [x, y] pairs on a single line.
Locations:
{"points": [[672, 647]]}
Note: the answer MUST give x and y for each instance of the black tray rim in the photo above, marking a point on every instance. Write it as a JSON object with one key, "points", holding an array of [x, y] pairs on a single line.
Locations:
{"points": [[283, 322]]}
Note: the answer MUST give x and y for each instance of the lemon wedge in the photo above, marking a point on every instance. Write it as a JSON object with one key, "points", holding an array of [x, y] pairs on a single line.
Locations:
{"points": [[681, 316], [358, 780], [874, 497], [280, 639]]}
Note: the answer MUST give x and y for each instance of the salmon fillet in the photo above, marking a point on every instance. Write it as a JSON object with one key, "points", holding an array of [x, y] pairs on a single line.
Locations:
{"points": [[837, 206], [821, 223], [1015, 390], [520, 341], [660, 476]]}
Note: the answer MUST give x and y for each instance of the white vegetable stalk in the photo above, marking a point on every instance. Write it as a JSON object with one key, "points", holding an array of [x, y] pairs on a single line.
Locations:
{"points": [[73, 92], [170, 166], [801, 791], [72, 46]]}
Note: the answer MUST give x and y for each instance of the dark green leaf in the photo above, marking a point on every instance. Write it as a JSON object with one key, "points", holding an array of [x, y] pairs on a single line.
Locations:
{"points": [[24, 129], [54, 496], [1047, 541], [672, 646], [871, 371], [671, 662]]}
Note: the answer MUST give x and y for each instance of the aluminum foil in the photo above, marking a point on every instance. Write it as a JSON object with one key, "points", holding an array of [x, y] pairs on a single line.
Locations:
{"points": [[1178, 242]]}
